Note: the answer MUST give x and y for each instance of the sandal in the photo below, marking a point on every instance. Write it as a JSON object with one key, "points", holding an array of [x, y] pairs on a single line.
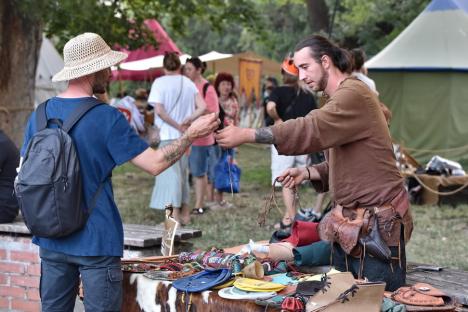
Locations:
{"points": [[282, 226], [198, 211]]}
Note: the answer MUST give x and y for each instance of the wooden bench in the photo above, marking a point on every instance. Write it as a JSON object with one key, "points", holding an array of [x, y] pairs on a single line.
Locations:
{"points": [[20, 264], [135, 235]]}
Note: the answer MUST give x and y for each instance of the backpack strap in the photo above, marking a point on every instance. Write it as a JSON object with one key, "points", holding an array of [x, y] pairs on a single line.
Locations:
{"points": [[205, 88], [41, 116], [76, 115]]}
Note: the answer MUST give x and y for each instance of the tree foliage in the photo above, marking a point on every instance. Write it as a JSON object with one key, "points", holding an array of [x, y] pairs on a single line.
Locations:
{"points": [[373, 24], [121, 21], [279, 24]]}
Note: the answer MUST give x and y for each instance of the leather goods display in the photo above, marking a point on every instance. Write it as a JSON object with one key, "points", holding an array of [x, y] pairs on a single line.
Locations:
{"points": [[334, 227], [423, 297], [342, 293], [293, 304], [249, 284], [274, 302], [254, 270], [203, 280], [310, 288], [235, 293], [281, 251], [374, 244]]}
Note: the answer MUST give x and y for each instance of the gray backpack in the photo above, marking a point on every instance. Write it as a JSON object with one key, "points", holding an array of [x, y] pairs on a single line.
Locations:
{"points": [[48, 186]]}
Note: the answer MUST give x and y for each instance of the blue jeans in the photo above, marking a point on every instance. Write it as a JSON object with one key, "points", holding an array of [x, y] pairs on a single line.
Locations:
{"points": [[101, 277], [392, 273]]}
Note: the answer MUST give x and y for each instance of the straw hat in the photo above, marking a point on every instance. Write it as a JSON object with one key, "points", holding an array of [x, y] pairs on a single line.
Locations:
{"points": [[86, 54]]}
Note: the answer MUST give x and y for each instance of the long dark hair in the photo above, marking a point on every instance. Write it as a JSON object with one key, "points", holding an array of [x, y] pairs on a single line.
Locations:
{"points": [[197, 63], [320, 46], [359, 57]]}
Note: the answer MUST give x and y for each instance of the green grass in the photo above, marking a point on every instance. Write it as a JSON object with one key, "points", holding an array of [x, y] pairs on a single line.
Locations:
{"points": [[439, 235]]}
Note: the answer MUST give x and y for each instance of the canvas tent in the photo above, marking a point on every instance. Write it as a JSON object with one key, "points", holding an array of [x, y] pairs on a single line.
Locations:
{"points": [[50, 62], [422, 76]]}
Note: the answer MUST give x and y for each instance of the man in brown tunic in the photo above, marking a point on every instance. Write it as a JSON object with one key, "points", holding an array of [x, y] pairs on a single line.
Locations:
{"points": [[360, 169]]}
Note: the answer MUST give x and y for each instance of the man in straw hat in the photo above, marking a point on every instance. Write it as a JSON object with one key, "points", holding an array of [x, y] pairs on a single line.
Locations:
{"points": [[359, 170], [103, 139]]}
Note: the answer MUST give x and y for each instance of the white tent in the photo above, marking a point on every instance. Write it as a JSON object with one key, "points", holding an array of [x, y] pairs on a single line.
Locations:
{"points": [[157, 61], [50, 62], [436, 39], [214, 56], [149, 63]]}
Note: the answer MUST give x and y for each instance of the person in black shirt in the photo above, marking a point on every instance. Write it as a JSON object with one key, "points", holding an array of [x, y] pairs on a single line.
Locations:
{"points": [[270, 84], [9, 160], [289, 101]]}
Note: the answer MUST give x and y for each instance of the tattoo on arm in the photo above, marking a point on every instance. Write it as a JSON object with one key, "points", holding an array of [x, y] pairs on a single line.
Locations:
{"points": [[264, 135], [174, 151]]}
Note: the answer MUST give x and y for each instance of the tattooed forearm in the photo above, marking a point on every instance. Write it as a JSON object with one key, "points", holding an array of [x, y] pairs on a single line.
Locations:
{"points": [[174, 151], [264, 135]]}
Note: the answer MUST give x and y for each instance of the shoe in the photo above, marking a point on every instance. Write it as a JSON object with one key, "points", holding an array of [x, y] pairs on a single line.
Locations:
{"points": [[198, 211]]}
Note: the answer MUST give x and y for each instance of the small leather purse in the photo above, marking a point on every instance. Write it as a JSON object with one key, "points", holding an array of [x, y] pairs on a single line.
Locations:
{"points": [[374, 244]]}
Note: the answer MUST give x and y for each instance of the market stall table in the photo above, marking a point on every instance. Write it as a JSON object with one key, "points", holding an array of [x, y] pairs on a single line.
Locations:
{"points": [[143, 294]]}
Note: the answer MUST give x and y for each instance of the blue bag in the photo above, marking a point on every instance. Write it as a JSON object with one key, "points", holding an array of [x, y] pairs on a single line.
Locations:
{"points": [[227, 174], [202, 280]]}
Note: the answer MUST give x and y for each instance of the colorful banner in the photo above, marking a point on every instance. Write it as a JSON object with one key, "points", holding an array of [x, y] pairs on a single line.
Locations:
{"points": [[249, 79]]}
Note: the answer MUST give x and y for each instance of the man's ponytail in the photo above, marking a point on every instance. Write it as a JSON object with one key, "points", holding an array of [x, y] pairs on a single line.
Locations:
{"points": [[321, 46]]}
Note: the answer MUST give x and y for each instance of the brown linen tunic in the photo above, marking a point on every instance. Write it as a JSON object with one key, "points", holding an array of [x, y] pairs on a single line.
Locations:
{"points": [[360, 170]]}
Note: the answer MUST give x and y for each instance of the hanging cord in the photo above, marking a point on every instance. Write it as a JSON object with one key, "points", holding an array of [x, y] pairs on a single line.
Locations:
{"points": [[437, 192], [269, 203], [361, 260]]}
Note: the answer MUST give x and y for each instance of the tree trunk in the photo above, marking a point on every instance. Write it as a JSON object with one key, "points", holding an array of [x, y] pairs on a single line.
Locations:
{"points": [[20, 43], [318, 17]]}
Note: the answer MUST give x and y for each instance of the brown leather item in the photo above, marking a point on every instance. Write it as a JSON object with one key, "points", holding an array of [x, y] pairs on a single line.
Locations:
{"points": [[374, 244], [408, 295], [334, 227], [423, 297], [343, 293]]}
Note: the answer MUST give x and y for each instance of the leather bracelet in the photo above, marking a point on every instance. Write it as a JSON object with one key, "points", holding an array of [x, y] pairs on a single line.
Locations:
{"points": [[308, 171]]}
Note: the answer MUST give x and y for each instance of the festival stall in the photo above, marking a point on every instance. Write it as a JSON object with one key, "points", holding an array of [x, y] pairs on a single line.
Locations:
{"points": [[293, 274]]}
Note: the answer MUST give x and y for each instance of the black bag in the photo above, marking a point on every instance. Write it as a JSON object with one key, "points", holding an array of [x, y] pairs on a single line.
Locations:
{"points": [[48, 186], [375, 245]]}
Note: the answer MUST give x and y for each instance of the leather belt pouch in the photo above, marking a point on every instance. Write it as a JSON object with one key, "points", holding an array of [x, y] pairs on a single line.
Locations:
{"points": [[374, 244], [334, 227]]}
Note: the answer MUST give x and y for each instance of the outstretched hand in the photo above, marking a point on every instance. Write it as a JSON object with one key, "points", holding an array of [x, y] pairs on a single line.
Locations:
{"points": [[232, 136], [203, 126], [292, 177]]}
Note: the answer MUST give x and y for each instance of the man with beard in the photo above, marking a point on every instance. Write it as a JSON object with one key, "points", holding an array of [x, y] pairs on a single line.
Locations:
{"points": [[103, 139], [359, 170]]}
